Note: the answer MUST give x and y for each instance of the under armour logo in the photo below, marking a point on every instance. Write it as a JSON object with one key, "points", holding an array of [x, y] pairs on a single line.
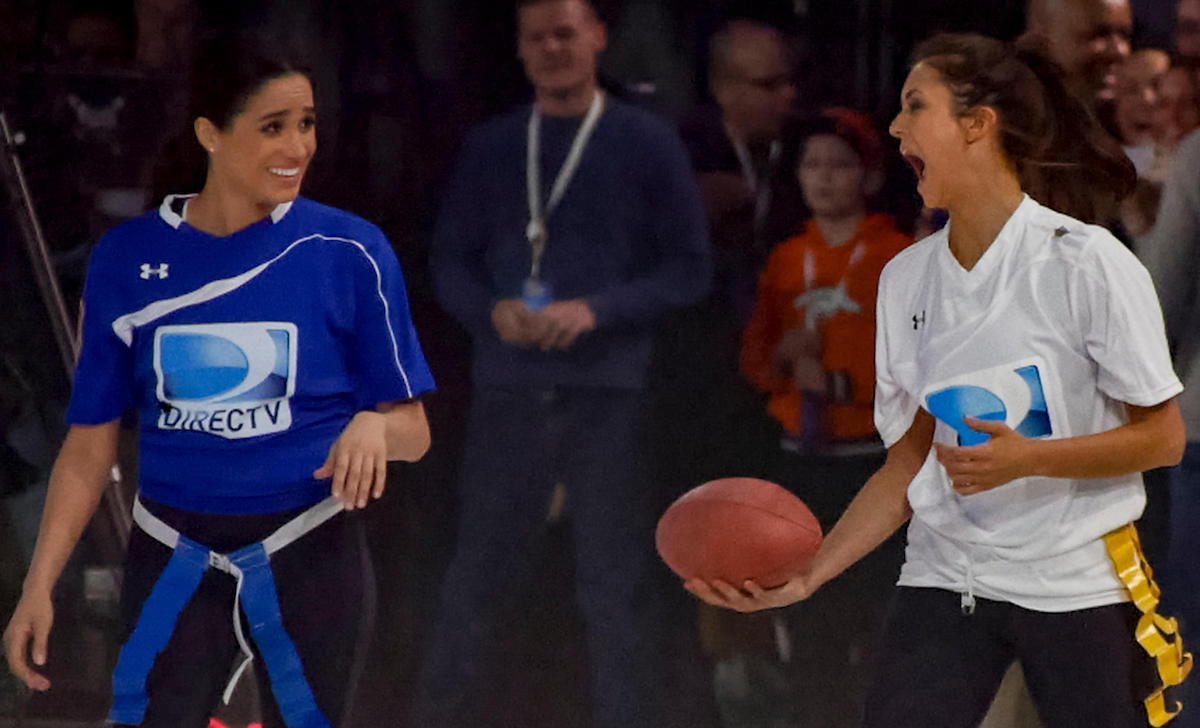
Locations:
{"points": [[918, 322], [160, 271]]}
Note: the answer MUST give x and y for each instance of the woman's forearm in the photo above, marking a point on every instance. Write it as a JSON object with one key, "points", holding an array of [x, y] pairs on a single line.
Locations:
{"points": [[1153, 438], [879, 509], [407, 430], [80, 475]]}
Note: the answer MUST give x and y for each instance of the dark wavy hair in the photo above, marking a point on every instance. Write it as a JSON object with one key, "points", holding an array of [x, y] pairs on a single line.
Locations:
{"points": [[1063, 157]]}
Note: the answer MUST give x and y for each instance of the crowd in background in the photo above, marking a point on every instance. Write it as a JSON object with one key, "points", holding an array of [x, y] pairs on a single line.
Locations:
{"points": [[766, 372]]}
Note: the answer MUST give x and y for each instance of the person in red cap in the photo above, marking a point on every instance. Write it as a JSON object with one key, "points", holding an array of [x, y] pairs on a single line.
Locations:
{"points": [[809, 346]]}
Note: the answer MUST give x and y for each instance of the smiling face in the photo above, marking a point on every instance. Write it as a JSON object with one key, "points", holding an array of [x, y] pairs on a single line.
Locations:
{"points": [[1137, 95], [558, 41], [931, 134], [262, 155], [1089, 39]]}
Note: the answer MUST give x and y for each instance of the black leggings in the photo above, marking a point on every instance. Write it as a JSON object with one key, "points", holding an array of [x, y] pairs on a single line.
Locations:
{"points": [[941, 668], [326, 593]]}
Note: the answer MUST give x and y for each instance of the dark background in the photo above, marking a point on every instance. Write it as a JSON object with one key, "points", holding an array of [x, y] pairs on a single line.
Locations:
{"points": [[398, 85]]}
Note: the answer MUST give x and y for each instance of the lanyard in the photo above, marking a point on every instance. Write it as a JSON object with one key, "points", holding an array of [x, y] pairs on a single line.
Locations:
{"points": [[536, 231]]}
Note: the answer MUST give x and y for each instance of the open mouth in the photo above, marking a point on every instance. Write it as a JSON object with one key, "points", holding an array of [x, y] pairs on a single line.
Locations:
{"points": [[917, 164], [285, 172]]}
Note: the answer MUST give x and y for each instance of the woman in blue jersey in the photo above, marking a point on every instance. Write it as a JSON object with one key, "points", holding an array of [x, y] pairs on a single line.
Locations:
{"points": [[1023, 384], [265, 343]]}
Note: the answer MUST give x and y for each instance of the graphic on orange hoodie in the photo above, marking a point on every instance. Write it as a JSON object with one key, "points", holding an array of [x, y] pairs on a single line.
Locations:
{"points": [[829, 290]]}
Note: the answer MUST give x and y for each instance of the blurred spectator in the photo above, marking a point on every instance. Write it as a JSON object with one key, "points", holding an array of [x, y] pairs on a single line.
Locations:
{"points": [[96, 38], [1187, 32], [1138, 115], [1137, 105], [1179, 106], [1155, 108], [562, 343], [1171, 252], [1088, 38], [810, 338], [93, 121], [810, 347], [709, 421], [167, 37], [649, 56], [736, 151], [83, 162]]}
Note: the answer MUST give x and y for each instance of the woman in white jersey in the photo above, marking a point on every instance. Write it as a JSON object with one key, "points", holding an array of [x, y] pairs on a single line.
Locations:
{"points": [[1023, 384]]}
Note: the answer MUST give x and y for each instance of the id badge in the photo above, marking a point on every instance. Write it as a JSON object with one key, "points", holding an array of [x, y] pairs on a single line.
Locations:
{"points": [[536, 294]]}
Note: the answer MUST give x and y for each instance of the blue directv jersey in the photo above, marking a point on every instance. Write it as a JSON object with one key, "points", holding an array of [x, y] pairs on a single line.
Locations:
{"points": [[245, 356]]}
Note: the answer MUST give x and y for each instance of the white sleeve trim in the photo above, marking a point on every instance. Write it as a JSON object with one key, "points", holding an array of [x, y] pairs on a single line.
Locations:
{"points": [[123, 327]]}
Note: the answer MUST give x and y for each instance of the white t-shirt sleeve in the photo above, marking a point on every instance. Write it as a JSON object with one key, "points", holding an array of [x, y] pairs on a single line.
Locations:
{"points": [[1123, 329], [894, 407]]}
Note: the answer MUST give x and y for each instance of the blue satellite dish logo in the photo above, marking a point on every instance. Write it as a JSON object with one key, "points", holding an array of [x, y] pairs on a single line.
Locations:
{"points": [[232, 380], [1014, 396]]}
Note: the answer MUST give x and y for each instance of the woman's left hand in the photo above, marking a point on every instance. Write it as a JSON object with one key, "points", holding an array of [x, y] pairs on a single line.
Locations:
{"points": [[357, 462], [1003, 458]]}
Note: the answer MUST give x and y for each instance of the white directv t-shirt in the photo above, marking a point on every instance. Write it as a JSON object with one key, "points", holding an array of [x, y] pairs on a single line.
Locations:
{"points": [[1054, 330]]}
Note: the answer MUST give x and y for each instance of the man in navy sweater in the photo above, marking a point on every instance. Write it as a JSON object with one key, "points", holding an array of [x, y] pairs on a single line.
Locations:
{"points": [[569, 228]]}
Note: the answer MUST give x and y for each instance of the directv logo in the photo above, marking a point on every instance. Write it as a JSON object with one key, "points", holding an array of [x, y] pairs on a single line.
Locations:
{"points": [[1012, 394], [229, 380]]}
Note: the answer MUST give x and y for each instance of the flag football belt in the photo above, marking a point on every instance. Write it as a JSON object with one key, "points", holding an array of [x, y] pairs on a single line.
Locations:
{"points": [[1158, 635], [255, 595]]}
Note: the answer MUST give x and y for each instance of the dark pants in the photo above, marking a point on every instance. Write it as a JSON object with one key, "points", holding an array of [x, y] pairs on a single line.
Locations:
{"points": [[834, 635], [520, 443], [326, 593], [1181, 577], [941, 668]]}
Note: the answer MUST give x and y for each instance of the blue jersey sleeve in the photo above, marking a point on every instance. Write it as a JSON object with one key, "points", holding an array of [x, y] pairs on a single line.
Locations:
{"points": [[104, 374], [389, 363]]}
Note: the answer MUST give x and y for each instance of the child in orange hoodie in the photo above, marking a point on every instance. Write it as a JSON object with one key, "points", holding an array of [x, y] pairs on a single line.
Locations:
{"points": [[810, 341], [810, 346]]}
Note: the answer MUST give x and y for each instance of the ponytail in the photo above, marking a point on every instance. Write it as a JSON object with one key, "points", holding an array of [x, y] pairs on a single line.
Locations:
{"points": [[1063, 157]]}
